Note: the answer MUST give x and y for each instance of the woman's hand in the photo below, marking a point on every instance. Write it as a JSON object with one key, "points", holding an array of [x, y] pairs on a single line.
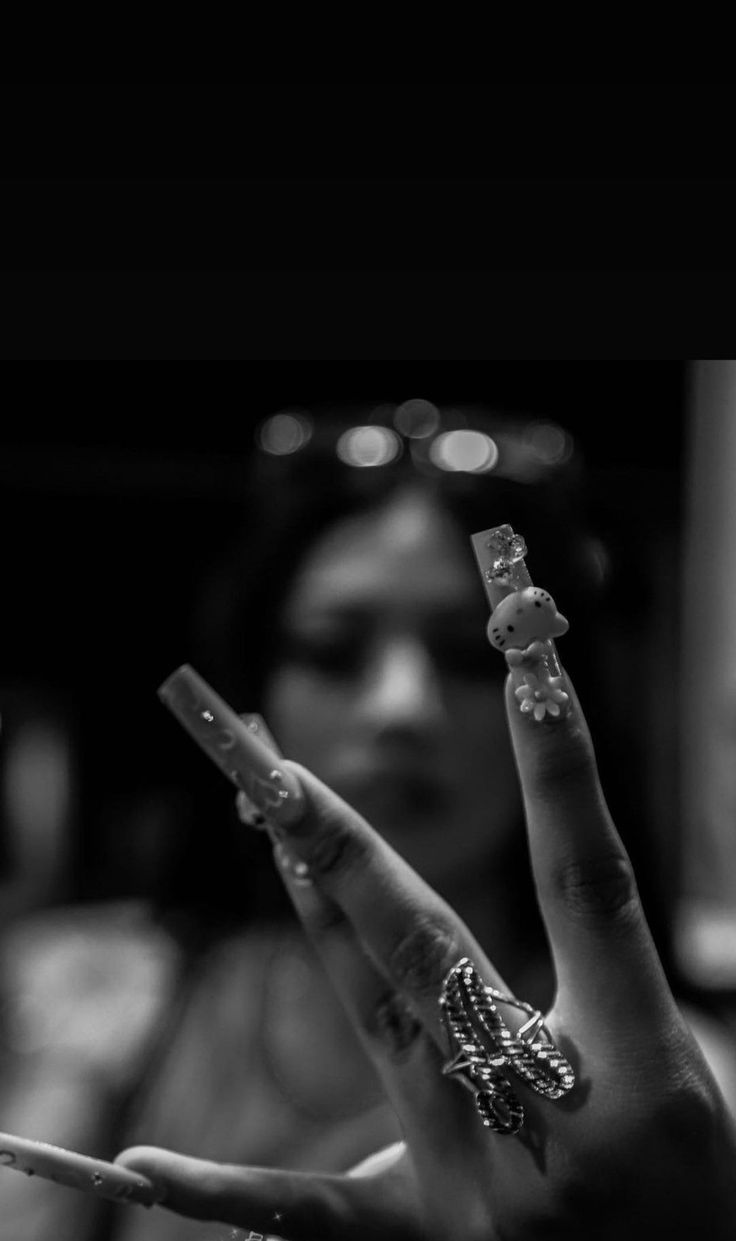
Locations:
{"points": [[642, 1146]]}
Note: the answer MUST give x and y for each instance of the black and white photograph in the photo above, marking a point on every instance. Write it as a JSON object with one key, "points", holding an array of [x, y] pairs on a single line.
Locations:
{"points": [[368, 662], [367, 783]]}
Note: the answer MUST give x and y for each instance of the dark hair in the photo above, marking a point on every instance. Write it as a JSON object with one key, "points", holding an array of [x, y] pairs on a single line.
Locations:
{"points": [[291, 499]]}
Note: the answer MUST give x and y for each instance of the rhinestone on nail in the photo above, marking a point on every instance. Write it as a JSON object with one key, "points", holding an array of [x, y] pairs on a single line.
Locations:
{"points": [[510, 546]]}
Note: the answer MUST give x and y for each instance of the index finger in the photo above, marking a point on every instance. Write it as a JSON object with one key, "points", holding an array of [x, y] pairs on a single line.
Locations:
{"points": [[411, 934], [602, 947], [604, 956], [302, 1205]]}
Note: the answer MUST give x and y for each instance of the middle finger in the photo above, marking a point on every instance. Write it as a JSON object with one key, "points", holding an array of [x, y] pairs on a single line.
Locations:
{"points": [[413, 936], [404, 1053], [385, 935]]}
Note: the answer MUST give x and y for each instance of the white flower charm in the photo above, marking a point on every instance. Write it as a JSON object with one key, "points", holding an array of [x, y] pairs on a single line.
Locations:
{"points": [[541, 697]]}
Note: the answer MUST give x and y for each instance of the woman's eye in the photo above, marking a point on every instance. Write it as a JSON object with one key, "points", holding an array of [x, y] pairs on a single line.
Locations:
{"points": [[465, 658], [334, 656]]}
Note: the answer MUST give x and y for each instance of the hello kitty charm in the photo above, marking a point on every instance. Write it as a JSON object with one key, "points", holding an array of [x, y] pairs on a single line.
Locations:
{"points": [[523, 625]]}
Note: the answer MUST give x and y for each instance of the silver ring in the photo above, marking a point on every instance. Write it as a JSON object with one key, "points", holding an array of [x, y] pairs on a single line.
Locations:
{"points": [[469, 1009]]}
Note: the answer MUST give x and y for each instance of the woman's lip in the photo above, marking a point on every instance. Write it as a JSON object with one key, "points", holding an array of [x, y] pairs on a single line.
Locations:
{"points": [[398, 778], [388, 768]]}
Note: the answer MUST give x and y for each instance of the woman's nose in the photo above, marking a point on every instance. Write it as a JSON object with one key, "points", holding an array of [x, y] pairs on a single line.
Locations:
{"points": [[402, 689]]}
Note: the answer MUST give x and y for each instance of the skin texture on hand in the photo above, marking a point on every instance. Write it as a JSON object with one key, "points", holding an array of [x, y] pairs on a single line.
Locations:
{"points": [[642, 1146]]}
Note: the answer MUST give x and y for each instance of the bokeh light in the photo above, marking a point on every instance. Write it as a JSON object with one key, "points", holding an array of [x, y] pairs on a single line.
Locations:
{"points": [[473, 452], [417, 419], [285, 433], [368, 446], [549, 443]]}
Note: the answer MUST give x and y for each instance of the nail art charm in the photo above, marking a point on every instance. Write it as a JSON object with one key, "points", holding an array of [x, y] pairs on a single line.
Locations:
{"points": [[524, 623]]}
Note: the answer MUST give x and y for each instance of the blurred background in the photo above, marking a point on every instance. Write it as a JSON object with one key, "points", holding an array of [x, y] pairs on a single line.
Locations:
{"points": [[112, 507]]}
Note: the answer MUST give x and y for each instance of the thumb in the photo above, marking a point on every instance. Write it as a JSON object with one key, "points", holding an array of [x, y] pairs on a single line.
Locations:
{"points": [[299, 1205], [379, 1161]]}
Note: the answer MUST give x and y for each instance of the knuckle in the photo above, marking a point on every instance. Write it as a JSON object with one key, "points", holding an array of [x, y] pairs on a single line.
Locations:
{"points": [[682, 1122], [333, 852], [688, 1117], [421, 959], [327, 921], [593, 889], [564, 761], [392, 1023]]}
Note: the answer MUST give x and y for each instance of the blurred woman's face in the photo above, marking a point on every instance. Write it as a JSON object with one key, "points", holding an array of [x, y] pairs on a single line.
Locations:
{"points": [[389, 691]]}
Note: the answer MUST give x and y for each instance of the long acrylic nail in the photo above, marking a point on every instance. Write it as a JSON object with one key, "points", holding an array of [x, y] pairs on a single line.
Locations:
{"points": [[524, 623], [237, 749], [258, 727], [111, 1181], [248, 812]]}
